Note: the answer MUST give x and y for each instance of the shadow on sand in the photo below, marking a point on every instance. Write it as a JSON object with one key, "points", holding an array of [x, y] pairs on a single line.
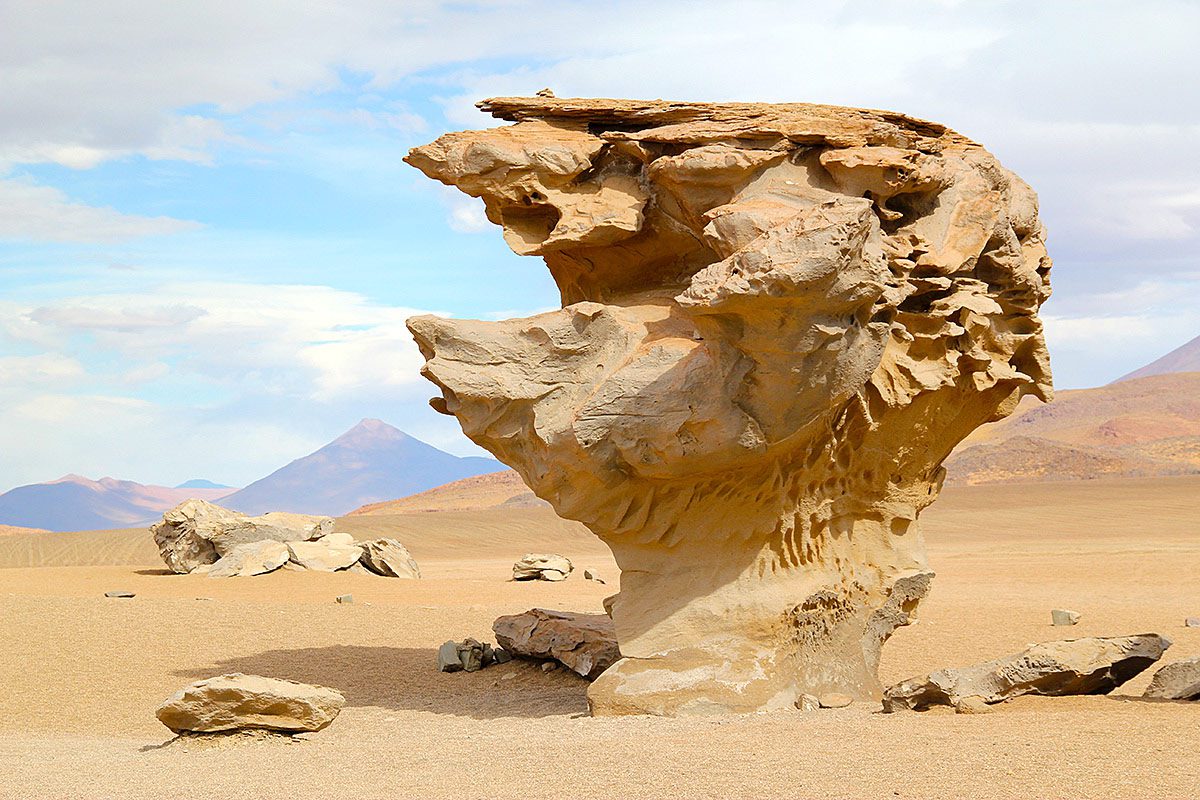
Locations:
{"points": [[407, 678]]}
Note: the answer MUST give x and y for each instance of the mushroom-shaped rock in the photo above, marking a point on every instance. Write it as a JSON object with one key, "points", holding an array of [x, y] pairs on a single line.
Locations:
{"points": [[389, 558], [1179, 680], [196, 533], [252, 558], [585, 643], [542, 567], [777, 322], [240, 702], [1073, 666]]}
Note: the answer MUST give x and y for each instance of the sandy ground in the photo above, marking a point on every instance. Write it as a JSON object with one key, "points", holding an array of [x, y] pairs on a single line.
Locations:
{"points": [[80, 675]]}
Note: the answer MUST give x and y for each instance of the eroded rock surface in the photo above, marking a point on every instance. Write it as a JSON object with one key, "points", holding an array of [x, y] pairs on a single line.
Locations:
{"points": [[1074, 666], [777, 321], [253, 558], [241, 702], [1179, 680], [196, 532], [389, 558], [323, 555], [542, 567], [585, 643]]}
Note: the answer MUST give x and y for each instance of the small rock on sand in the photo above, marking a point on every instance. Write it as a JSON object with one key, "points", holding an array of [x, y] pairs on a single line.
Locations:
{"points": [[807, 702], [344, 598], [447, 657], [1179, 680], [243, 702], [1192, 622], [542, 566], [1061, 616], [549, 666], [592, 575], [834, 700], [119, 594]]}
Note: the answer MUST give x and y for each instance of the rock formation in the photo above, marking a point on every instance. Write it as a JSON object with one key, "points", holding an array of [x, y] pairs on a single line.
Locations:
{"points": [[252, 558], [777, 321], [389, 558], [241, 702], [1179, 680], [1074, 666], [542, 567], [585, 643]]}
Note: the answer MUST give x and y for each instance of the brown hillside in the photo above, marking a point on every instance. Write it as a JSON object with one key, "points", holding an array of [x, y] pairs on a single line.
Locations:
{"points": [[481, 491]]}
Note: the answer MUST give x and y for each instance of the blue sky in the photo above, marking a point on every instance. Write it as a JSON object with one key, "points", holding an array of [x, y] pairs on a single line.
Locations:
{"points": [[209, 243]]}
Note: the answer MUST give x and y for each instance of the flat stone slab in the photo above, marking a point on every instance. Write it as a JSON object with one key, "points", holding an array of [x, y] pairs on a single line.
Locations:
{"points": [[245, 702], [585, 643]]}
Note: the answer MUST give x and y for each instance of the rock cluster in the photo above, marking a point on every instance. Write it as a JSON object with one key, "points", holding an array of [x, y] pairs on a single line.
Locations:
{"points": [[198, 536], [777, 322], [584, 643], [1073, 666], [244, 702], [542, 567], [470, 655]]}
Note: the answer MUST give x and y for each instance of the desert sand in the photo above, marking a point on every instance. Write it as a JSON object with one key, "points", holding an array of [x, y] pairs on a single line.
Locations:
{"points": [[81, 675]]}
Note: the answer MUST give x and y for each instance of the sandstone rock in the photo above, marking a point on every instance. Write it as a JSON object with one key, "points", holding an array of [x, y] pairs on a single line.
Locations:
{"points": [[1192, 622], [1061, 616], [238, 702], [584, 643], [549, 666], [120, 594], [324, 557], [542, 566], [834, 700], [1073, 666], [777, 321], [971, 705], [1179, 680], [807, 702], [344, 599], [337, 538], [389, 558], [592, 575], [197, 533], [253, 558]]}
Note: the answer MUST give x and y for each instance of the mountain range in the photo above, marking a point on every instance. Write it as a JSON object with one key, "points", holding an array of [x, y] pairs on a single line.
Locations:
{"points": [[1185, 358], [371, 462]]}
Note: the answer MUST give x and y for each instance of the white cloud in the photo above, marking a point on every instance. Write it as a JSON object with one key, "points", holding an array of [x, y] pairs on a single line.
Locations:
{"points": [[41, 213], [466, 215], [39, 370]]}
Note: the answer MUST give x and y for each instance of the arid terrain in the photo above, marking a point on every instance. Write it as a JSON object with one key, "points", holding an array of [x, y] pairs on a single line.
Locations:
{"points": [[81, 674]]}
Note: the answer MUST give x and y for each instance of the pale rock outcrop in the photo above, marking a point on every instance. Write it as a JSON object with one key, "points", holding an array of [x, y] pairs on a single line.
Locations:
{"points": [[777, 322], [252, 558], [389, 558], [1061, 616], [324, 556], [1073, 666], [241, 702], [196, 532], [584, 643], [542, 567], [1179, 680]]}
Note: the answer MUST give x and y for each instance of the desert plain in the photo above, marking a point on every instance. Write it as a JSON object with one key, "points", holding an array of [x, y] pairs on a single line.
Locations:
{"points": [[81, 674]]}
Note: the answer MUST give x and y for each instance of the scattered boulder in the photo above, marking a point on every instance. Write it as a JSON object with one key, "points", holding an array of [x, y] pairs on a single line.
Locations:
{"points": [[197, 533], [834, 700], [469, 655], [807, 702], [1073, 666], [1192, 622], [592, 575], [344, 599], [585, 643], [542, 567], [447, 657], [1061, 616], [240, 702], [1179, 680], [252, 558], [389, 558], [125, 595], [324, 557]]}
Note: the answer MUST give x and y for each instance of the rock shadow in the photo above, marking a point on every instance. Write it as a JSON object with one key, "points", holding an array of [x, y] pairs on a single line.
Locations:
{"points": [[407, 678]]}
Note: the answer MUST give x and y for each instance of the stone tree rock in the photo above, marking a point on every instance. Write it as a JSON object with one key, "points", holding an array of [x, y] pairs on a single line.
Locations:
{"points": [[777, 321], [1073, 666], [239, 702], [196, 532]]}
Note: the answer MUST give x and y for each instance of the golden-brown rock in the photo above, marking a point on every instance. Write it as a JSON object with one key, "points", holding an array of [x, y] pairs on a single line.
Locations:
{"points": [[777, 321]]}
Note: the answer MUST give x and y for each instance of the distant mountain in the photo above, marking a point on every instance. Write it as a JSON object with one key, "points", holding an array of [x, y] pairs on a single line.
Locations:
{"points": [[200, 483], [1138, 427], [76, 503], [1182, 359], [371, 462]]}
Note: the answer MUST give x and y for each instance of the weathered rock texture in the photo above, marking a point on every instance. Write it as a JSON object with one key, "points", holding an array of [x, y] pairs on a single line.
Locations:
{"points": [[1074, 666], [777, 321], [542, 567], [389, 558], [1179, 680], [239, 702], [585, 643], [253, 558], [197, 532]]}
